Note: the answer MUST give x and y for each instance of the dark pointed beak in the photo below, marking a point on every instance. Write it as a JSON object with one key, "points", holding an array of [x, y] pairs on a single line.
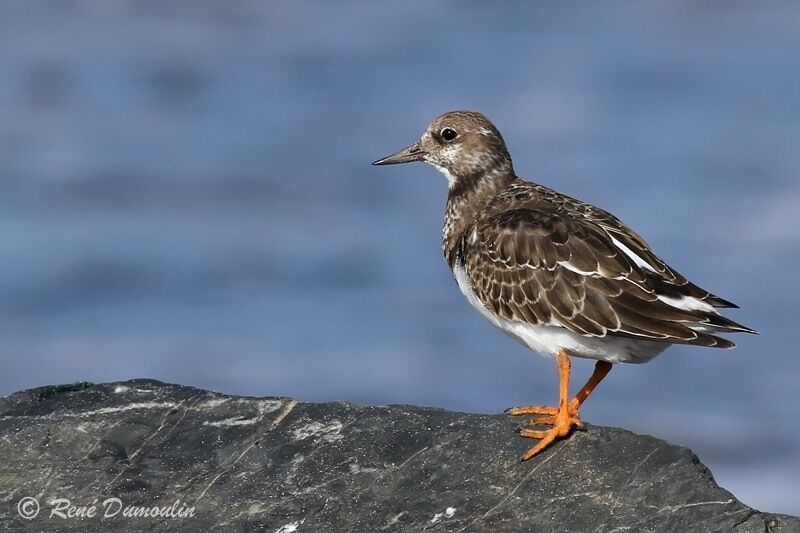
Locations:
{"points": [[406, 155]]}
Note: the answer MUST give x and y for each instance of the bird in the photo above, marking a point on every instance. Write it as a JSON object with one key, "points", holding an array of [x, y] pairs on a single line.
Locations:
{"points": [[561, 276]]}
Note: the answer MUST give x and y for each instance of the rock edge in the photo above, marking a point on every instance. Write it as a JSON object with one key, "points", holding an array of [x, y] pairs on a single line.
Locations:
{"points": [[276, 464]]}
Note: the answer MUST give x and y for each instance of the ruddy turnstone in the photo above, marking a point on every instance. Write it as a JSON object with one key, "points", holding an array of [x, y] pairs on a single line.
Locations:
{"points": [[563, 277]]}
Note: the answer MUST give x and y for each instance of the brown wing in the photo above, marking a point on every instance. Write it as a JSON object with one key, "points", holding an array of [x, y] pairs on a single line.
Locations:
{"points": [[669, 282], [540, 266]]}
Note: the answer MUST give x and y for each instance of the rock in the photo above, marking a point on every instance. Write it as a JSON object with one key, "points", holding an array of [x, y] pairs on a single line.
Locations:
{"points": [[202, 461]]}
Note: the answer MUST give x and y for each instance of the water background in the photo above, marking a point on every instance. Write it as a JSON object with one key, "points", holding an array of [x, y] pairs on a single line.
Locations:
{"points": [[185, 194]]}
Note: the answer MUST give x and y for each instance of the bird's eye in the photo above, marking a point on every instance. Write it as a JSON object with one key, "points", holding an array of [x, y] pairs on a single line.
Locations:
{"points": [[448, 134]]}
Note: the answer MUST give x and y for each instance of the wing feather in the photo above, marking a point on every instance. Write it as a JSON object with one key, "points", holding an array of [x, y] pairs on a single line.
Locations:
{"points": [[544, 266]]}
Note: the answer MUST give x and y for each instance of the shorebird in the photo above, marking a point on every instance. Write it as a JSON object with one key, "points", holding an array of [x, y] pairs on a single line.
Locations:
{"points": [[563, 277]]}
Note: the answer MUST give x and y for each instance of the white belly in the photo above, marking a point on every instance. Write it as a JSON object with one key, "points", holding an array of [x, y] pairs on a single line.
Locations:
{"points": [[550, 339]]}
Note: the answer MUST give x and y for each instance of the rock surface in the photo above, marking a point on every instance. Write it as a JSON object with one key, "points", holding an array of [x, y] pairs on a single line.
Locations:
{"points": [[274, 464]]}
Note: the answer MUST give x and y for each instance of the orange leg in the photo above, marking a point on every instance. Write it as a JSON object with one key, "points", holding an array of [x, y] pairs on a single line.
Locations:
{"points": [[601, 370], [564, 417], [547, 413]]}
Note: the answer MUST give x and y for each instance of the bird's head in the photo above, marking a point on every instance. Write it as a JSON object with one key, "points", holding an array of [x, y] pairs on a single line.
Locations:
{"points": [[460, 144]]}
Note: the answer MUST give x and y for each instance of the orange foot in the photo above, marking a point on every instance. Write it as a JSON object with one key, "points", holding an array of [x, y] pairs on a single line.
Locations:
{"points": [[546, 414], [564, 417]]}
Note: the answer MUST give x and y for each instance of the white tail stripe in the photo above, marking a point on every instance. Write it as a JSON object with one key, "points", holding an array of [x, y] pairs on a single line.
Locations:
{"points": [[688, 303], [630, 253]]}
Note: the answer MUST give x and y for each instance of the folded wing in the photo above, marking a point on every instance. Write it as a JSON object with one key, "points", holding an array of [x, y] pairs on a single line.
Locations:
{"points": [[589, 274]]}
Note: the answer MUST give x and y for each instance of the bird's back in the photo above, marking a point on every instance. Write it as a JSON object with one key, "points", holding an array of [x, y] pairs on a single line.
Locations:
{"points": [[536, 256]]}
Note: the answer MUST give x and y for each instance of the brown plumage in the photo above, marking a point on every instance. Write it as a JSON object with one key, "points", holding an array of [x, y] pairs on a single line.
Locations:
{"points": [[537, 256], [560, 275]]}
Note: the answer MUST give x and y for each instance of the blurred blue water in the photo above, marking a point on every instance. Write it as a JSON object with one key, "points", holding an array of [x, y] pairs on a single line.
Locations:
{"points": [[187, 196]]}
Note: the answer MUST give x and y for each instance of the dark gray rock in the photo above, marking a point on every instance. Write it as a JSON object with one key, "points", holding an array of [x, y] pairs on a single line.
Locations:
{"points": [[274, 464]]}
